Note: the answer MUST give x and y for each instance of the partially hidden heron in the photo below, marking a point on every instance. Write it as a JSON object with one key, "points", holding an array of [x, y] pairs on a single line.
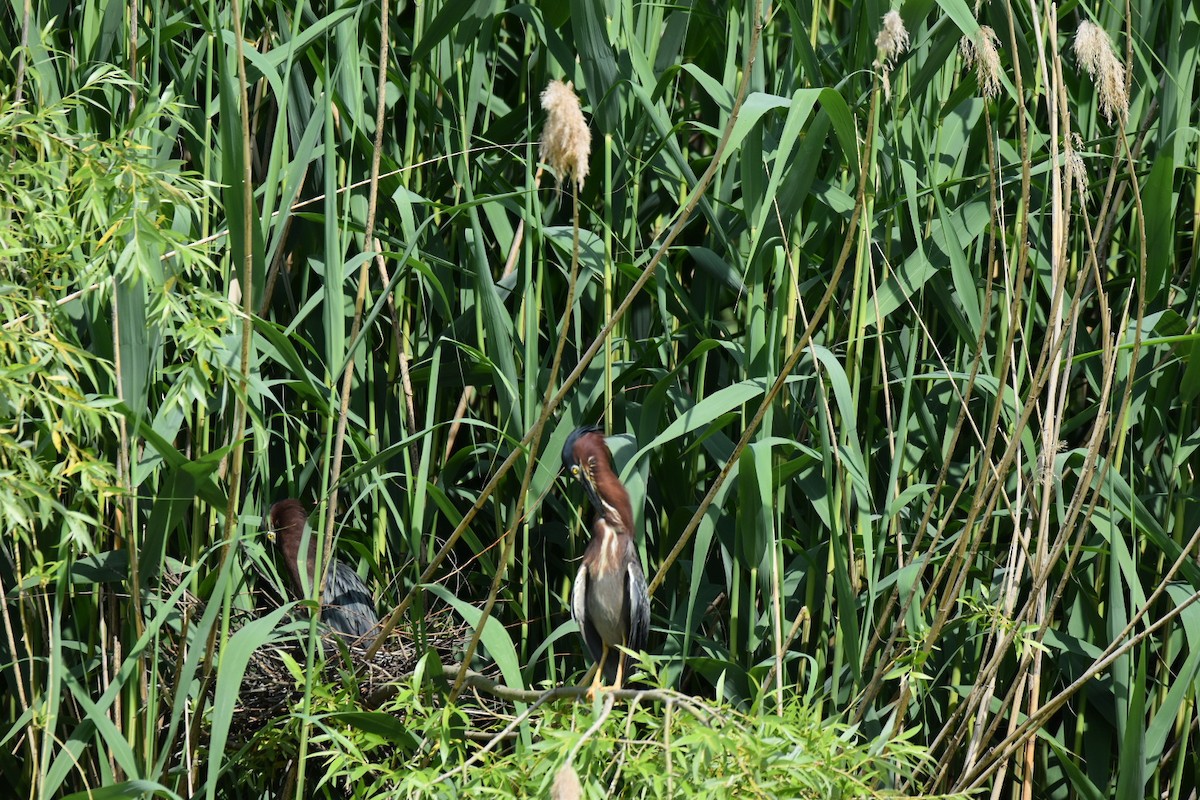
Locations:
{"points": [[609, 600], [346, 605]]}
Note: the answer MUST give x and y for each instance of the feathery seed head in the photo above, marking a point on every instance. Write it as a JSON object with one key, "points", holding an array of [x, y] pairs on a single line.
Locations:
{"points": [[1095, 52], [985, 55], [1074, 162], [892, 42], [566, 784], [566, 140]]}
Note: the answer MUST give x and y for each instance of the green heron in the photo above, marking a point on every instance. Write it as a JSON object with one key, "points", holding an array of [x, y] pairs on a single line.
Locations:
{"points": [[346, 604], [609, 601]]}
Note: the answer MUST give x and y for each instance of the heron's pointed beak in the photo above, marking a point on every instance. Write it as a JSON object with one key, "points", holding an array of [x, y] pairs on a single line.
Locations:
{"points": [[589, 484]]}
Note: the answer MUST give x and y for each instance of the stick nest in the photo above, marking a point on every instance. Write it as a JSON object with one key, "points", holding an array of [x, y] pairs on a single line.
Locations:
{"points": [[270, 688]]}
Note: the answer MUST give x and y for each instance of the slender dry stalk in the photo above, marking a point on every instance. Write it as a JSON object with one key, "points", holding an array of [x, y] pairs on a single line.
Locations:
{"points": [[886, 659], [685, 214], [792, 359], [364, 273], [363, 279], [569, 150]]}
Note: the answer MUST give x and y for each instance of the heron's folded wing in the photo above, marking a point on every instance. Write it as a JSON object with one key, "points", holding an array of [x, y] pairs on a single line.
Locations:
{"points": [[348, 607], [639, 604], [591, 637]]}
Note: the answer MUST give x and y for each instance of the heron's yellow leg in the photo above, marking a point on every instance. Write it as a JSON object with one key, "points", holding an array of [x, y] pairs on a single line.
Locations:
{"points": [[597, 682], [620, 669]]}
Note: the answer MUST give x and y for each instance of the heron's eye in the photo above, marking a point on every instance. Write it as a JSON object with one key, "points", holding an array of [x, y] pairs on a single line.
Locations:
{"points": [[575, 470]]}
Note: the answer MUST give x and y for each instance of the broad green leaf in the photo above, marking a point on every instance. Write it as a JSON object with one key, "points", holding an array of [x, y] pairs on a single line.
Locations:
{"points": [[709, 409], [378, 723], [131, 789], [494, 637], [1159, 200], [231, 667]]}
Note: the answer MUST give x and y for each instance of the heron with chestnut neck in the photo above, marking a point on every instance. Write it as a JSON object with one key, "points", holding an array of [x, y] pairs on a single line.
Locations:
{"points": [[609, 600], [346, 605]]}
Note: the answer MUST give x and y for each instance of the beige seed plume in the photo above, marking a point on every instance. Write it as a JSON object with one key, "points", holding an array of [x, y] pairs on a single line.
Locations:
{"points": [[891, 42], [566, 784], [1076, 171], [985, 55], [1094, 50], [566, 140]]}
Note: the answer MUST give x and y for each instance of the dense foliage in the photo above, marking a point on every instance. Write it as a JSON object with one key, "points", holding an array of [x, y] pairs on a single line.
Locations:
{"points": [[891, 318]]}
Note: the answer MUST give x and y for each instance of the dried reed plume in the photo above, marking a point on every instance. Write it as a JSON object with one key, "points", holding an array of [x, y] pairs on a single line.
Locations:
{"points": [[1074, 163], [892, 42], [566, 140], [983, 53], [566, 784], [1094, 50]]}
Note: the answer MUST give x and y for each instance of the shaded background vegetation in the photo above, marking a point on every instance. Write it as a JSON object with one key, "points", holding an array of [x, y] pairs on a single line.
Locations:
{"points": [[904, 389]]}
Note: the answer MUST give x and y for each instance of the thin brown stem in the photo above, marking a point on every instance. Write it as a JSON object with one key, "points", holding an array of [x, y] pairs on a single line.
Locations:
{"points": [[585, 360], [792, 359]]}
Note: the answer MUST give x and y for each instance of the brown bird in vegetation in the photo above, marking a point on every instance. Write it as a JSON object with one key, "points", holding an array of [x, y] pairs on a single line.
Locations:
{"points": [[346, 604], [609, 600]]}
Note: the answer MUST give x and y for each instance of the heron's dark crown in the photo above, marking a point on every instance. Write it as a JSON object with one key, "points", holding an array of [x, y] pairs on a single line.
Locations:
{"points": [[287, 520], [569, 456], [347, 606], [587, 457]]}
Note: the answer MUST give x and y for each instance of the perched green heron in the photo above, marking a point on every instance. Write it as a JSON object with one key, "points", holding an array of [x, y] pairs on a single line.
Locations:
{"points": [[346, 604], [609, 600]]}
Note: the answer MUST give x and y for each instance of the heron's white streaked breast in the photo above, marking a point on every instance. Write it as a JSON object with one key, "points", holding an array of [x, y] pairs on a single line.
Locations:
{"points": [[609, 554], [608, 604]]}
